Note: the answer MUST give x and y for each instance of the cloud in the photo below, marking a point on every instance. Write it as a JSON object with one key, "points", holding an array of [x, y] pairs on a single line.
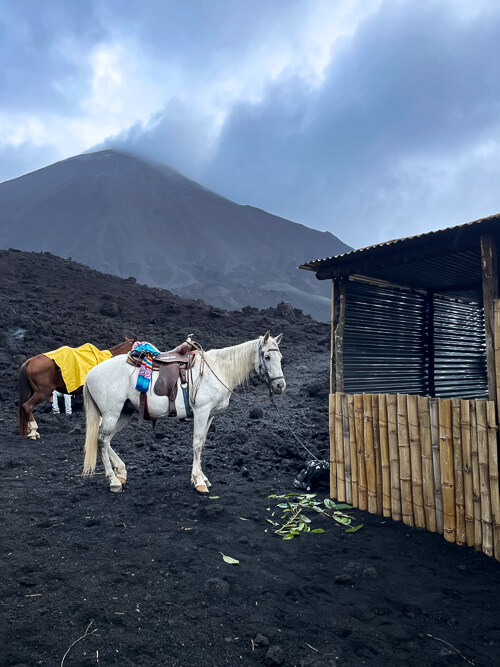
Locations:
{"points": [[43, 50], [384, 147], [371, 119]]}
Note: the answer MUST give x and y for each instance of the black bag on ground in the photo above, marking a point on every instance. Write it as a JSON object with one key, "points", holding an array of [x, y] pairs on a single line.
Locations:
{"points": [[315, 475]]}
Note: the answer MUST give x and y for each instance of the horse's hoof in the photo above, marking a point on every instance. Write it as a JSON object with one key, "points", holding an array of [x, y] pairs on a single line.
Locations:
{"points": [[115, 488], [121, 479], [201, 488], [33, 437]]}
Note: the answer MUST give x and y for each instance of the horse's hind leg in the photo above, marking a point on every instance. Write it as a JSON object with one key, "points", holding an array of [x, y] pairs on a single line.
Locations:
{"points": [[118, 465], [114, 483], [114, 467], [28, 407]]}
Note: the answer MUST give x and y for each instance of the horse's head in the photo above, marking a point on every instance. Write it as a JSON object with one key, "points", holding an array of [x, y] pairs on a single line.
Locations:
{"points": [[268, 363]]}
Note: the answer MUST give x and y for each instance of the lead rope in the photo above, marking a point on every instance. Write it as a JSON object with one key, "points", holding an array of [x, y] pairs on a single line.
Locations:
{"points": [[271, 398]]}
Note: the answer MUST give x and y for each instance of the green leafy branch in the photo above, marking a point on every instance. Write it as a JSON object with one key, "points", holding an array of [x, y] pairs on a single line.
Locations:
{"points": [[297, 522]]}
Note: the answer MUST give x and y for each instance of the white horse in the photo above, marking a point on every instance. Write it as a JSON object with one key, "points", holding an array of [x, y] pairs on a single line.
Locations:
{"points": [[110, 399]]}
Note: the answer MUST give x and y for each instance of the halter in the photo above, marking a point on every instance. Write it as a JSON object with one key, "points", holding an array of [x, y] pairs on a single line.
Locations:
{"points": [[263, 372]]}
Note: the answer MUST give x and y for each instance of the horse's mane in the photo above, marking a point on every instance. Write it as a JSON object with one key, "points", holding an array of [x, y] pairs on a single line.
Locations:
{"points": [[234, 365]]}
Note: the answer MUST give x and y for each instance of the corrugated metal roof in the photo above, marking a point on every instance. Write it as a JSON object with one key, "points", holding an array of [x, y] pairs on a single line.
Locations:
{"points": [[314, 264]]}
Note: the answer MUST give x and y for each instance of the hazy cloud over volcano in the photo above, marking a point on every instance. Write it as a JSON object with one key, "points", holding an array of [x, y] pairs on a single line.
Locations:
{"points": [[371, 119]]}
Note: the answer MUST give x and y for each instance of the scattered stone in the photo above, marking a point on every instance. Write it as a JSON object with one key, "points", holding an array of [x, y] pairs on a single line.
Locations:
{"points": [[260, 640], [217, 587], [274, 656], [256, 413], [285, 310], [110, 309]]}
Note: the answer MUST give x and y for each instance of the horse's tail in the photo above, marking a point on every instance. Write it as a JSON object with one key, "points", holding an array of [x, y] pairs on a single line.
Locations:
{"points": [[25, 392], [93, 419]]}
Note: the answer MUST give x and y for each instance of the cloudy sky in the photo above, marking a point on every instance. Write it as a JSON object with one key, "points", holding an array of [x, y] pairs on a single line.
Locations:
{"points": [[371, 119]]}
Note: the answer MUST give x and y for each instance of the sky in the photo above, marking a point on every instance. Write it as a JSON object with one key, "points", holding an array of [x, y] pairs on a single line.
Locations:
{"points": [[371, 119]]}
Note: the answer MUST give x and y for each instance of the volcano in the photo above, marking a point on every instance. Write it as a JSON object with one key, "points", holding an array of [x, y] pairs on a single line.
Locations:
{"points": [[127, 217]]}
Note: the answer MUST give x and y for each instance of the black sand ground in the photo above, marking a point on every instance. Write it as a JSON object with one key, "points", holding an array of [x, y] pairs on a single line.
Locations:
{"points": [[142, 571]]}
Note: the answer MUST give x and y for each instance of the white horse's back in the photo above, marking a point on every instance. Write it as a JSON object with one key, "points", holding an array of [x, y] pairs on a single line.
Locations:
{"points": [[112, 377]]}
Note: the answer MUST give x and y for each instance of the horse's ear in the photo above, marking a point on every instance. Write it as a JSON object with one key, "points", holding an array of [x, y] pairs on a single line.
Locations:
{"points": [[266, 336], [278, 339]]}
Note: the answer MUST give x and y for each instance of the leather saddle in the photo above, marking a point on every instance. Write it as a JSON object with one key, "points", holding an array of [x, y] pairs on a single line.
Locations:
{"points": [[171, 367]]}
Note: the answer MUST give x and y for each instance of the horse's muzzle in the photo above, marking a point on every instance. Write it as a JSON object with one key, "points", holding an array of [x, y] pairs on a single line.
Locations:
{"points": [[278, 386]]}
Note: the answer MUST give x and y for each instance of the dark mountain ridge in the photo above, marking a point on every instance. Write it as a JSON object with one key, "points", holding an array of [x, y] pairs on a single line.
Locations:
{"points": [[127, 217]]}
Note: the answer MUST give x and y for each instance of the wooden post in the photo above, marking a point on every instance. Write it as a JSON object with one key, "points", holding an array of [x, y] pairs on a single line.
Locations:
{"points": [[467, 468], [347, 450], [371, 483], [392, 432], [339, 337], [484, 477], [384, 455], [456, 415], [360, 454], [332, 342], [339, 446], [416, 463], [354, 450], [424, 423], [490, 293], [493, 468], [446, 462], [376, 451], [496, 329], [476, 492], [436, 465], [333, 448], [404, 461]]}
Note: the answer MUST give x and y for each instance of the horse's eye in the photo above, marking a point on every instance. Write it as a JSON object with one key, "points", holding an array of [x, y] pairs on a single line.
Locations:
{"points": [[267, 356]]}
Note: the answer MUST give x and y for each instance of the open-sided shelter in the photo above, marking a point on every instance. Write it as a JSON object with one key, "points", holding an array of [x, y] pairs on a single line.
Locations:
{"points": [[415, 380]]}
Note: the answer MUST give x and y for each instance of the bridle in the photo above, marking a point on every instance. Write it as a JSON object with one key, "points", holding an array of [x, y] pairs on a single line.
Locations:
{"points": [[263, 370]]}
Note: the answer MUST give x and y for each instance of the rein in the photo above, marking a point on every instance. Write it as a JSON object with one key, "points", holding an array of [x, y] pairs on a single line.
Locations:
{"points": [[242, 398], [271, 398]]}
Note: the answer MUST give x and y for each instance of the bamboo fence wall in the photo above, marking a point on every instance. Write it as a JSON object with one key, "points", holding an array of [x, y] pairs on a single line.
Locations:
{"points": [[431, 463]]}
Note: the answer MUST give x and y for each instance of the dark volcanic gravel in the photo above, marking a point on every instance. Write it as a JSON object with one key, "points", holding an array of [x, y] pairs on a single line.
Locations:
{"points": [[144, 567]]}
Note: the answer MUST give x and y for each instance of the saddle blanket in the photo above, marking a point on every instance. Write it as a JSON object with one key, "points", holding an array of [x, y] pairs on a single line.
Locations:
{"points": [[76, 362]]}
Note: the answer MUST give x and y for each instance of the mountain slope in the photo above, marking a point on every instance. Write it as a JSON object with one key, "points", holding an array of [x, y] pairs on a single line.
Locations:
{"points": [[124, 216]]}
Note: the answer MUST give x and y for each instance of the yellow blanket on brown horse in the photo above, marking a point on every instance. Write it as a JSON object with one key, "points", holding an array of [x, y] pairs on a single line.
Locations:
{"points": [[76, 362]]}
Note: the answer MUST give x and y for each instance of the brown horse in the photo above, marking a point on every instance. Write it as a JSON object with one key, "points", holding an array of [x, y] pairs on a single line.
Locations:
{"points": [[38, 377]]}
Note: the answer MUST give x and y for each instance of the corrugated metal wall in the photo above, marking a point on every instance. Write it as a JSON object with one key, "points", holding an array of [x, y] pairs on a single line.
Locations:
{"points": [[384, 340], [459, 350], [387, 350]]}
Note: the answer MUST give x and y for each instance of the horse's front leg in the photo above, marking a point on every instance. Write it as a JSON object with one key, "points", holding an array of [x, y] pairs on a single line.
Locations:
{"points": [[202, 421]]}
